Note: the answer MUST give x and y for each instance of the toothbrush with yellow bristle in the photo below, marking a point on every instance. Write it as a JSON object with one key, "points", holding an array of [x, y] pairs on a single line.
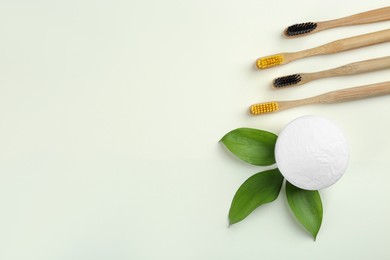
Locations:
{"points": [[329, 48], [348, 94], [302, 29], [349, 69]]}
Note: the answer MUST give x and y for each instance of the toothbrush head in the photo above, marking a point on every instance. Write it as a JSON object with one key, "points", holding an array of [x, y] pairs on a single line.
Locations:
{"points": [[300, 29], [263, 108], [269, 61], [289, 80]]}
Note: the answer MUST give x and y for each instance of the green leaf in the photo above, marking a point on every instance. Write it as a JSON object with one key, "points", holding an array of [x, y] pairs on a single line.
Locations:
{"points": [[261, 188], [251, 145], [306, 206]]}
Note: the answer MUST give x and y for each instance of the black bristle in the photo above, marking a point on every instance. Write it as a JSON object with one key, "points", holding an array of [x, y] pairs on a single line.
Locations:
{"points": [[287, 80], [300, 28]]}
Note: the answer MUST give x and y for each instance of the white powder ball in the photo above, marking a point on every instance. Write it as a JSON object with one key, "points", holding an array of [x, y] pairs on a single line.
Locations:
{"points": [[311, 152]]}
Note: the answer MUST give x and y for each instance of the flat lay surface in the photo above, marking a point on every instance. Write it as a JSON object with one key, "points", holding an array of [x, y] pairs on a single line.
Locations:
{"points": [[111, 113]]}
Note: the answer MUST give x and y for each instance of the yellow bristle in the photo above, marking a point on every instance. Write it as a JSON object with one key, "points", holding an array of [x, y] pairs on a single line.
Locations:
{"points": [[264, 108], [269, 61]]}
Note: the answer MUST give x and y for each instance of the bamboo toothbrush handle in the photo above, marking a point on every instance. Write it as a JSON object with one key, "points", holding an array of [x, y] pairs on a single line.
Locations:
{"points": [[356, 67], [342, 45], [377, 15], [356, 42], [348, 94]]}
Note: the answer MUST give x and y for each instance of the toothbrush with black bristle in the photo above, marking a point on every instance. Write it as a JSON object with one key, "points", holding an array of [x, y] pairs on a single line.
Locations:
{"points": [[349, 69], [302, 29]]}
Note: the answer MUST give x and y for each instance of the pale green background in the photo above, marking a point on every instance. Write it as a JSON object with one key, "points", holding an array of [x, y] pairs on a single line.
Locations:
{"points": [[110, 115]]}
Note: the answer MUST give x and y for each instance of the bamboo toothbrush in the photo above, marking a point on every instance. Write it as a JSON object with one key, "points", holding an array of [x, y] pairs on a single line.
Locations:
{"points": [[331, 47], [348, 94], [301, 29], [349, 69]]}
